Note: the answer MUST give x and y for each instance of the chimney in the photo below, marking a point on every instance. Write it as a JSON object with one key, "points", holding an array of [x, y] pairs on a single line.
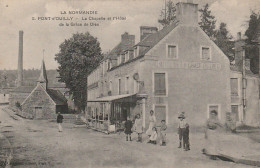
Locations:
{"points": [[147, 30], [127, 39], [239, 43], [20, 60], [187, 13]]}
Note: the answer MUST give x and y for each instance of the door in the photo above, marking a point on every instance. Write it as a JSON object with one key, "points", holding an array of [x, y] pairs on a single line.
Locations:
{"points": [[38, 113]]}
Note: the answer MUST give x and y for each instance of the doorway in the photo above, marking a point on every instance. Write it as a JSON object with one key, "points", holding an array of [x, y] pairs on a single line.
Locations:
{"points": [[38, 113]]}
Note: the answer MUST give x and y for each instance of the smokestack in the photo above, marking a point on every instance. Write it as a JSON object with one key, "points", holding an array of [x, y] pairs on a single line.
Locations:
{"points": [[20, 60]]}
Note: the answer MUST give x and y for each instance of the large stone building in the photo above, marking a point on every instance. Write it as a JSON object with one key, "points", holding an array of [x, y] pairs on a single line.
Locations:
{"points": [[42, 102], [170, 71]]}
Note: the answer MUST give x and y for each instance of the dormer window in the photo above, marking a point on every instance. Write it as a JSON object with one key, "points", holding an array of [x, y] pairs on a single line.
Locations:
{"points": [[122, 58], [205, 53], [131, 54], [118, 60], [136, 52], [126, 56]]}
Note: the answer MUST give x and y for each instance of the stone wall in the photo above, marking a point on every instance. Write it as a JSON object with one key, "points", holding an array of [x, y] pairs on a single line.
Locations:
{"points": [[40, 100]]}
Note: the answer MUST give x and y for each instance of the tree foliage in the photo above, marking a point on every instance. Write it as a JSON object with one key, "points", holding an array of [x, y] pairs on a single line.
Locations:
{"points": [[208, 22], [223, 39], [77, 57], [252, 51], [168, 16]]}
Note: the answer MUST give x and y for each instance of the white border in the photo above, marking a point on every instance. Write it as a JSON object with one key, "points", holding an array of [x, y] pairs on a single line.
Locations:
{"points": [[177, 51], [166, 108], [166, 82]]}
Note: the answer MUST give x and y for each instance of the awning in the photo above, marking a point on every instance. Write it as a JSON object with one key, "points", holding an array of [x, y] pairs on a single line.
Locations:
{"points": [[129, 97]]}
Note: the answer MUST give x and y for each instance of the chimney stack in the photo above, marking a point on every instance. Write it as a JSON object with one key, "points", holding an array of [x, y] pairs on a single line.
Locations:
{"points": [[239, 36], [147, 30], [127, 39], [187, 13], [20, 60]]}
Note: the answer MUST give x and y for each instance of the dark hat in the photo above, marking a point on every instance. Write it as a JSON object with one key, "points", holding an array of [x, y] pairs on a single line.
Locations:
{"points": [[181, 116]]}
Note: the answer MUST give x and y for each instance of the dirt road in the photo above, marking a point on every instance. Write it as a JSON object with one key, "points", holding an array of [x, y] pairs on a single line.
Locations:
{"points": [[37, 143]]}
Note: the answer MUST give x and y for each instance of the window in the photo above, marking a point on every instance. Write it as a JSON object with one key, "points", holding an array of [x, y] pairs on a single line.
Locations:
{"points": [[119, 86], [172, 52], [159, 84], [110, 85], [136, 52], [234, 86], [135, 86], [234, 112], [205, 53], [127, 84], [119, 60], [160, 113], [126, 56], [131, 54], [212, 108], [122, 58]]}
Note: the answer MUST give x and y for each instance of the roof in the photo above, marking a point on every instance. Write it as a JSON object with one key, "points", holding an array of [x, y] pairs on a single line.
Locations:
{"points": [[57, 96], [122, 46], [43, 74], [111, 98], [23, 89], [151, 40]]}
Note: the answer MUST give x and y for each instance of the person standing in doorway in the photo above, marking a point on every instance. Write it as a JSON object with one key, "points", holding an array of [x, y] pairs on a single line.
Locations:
{"points": [[138, 127], [181, 128], [152, 123], [59, 121]]}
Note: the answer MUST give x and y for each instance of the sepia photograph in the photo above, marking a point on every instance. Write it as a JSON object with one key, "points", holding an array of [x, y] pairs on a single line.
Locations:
{"points": [[129, 83]]}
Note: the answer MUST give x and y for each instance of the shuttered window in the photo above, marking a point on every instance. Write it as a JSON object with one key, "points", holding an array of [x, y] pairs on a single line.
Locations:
{"points": [[205, 53], [234, 86], [160, 84], [172, 51], [234, 110]]}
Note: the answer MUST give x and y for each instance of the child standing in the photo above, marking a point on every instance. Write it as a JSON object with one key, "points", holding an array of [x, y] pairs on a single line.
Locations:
{"points": [[181, 128], [138, 127], [163, 132], [153, 137], [186, 138], [128, 128]]}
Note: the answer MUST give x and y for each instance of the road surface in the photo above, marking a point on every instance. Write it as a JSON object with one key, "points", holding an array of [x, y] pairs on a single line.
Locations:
{"points": [[37, 143]]}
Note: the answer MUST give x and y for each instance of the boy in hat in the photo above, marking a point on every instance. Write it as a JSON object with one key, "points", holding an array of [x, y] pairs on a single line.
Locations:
{"points": [[59, 121], [181, 128], [163, 132]]}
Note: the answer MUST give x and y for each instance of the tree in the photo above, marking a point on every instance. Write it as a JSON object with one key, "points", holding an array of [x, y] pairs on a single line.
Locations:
{"points": [[208, 22], [253, 24], [77, 57], [168, 14], [252, 35], [223, 41]]}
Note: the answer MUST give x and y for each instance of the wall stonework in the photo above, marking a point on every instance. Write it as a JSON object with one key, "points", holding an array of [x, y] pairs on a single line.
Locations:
{"points": [[39, 99]]}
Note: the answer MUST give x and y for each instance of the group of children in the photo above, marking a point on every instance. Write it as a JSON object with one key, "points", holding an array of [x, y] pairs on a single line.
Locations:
{"points": [[158, 135]]}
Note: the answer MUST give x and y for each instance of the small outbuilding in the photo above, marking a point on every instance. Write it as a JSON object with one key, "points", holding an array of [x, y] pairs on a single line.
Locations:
{"points": [[42, 102]]}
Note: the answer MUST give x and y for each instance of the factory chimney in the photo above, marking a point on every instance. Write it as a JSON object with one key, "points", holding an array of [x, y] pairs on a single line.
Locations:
{"points": [[20, 60]]}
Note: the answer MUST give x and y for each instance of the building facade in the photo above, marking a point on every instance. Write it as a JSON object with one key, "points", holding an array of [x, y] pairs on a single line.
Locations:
{"points": [[177, 69], [43, 102]]}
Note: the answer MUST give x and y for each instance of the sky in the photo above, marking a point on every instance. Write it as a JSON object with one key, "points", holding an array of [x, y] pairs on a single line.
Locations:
{"points": [[47, 35]]}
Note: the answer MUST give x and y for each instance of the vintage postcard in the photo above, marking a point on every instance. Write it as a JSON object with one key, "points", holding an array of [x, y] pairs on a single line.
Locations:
{"points": [[127, 83]]}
